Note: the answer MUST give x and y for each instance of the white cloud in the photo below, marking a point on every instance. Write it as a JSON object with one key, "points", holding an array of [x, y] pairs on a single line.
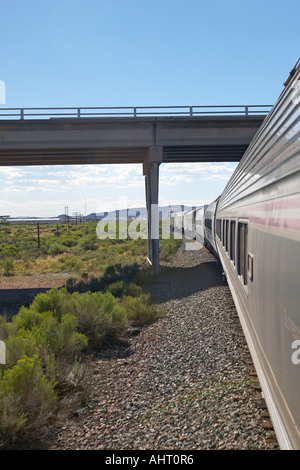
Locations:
{"points": [[11, 190], [100, 185]]}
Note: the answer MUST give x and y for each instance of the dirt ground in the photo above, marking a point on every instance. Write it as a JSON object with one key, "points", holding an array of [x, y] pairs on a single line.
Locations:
{"points": [[16, 291]]}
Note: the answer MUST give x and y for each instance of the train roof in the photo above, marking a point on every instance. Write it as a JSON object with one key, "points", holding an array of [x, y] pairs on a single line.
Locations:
{"points": [[292, 72]]}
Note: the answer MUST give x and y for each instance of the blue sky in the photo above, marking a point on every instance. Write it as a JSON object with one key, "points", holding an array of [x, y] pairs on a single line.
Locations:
{"points": [[136, 53]]}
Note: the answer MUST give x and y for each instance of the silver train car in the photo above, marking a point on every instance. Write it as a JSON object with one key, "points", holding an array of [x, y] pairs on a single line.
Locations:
{"points": [[177, 224], [190, 223], [199, 224], [209, 226], [254, 230]]}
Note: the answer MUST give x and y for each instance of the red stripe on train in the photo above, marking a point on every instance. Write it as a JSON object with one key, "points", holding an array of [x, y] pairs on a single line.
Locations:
{"points": [[293, 224]]}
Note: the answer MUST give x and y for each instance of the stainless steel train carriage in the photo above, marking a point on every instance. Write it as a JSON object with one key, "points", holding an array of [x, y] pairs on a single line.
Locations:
{"points": [[199, 224], [184, 223], [190, 223], [209, 226], [254, 228], [178, 224]]}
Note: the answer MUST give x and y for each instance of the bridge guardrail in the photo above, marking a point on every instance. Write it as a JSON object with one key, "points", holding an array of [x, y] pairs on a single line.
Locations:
{"points": [[134, 111]]}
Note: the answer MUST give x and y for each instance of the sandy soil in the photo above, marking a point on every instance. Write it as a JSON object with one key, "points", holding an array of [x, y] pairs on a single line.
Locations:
{"points": [[16, 291]]}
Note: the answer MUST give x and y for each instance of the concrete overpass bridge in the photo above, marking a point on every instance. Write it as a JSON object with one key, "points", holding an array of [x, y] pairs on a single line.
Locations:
{"points": [[146, 135]]}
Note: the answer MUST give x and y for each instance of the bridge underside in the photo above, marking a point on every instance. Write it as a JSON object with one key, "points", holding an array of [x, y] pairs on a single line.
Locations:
{"points": [[118, 155], [127, 140], [148, 141]]}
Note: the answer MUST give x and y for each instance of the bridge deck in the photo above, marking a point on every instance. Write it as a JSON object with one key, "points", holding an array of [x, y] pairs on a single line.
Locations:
{"points": [[125, 140]]}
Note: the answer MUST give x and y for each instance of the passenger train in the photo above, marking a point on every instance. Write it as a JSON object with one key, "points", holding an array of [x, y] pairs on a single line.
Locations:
{"points": [[253, 229]]}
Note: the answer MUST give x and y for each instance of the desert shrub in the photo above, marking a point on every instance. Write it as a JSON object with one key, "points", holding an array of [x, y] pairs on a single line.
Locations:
{"points": [[121, 288], [17, 347], [41, 350], [100, 317], [89, 243], [145, 276], [8, 250], [133, 290], [52, 300], [62, 337], [8, 267], [118, 272], [140, 310], [167, 248], [68, 240], [42, 333], [26, 318], [67, 263], [55, 249], [112, 274], [117, 289], [27, 399]]}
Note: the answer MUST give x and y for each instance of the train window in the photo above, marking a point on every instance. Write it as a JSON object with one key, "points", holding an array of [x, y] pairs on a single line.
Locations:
{"points": [[232, 240], [218, 228], [223, 231], [208, 224], [242, 250], [226, 234]]}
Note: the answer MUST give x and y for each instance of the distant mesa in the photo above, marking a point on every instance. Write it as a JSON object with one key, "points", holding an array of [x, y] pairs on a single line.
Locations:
{"points": [[139, 213]]}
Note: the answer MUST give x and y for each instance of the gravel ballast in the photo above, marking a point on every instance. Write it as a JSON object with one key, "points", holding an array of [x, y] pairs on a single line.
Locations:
{"points": [[186, 382]]}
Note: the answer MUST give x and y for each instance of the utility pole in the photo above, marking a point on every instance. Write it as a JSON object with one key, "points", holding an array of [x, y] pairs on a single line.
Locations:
{"points": [[38, 234], [67, 218], [77, 215]]}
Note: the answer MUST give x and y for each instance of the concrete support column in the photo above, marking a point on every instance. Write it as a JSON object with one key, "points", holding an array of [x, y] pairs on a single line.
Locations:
{"points": [[151, 172]]}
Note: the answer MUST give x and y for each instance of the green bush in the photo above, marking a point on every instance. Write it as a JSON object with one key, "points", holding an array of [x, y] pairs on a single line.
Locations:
{"points": [[8, 267], [41, 349], [167, 248], [89, 243], [121, 288], [62, 337], [117, 289], [55, 249], [27, 399], [26, 318], [68, 240], [18, 347], [140, 310], [52, 301], [32, 332], [100, 317], [8, 250]]}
